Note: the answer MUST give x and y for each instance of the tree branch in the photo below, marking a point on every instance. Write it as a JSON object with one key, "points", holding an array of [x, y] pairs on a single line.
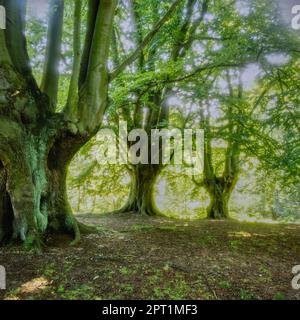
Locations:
{"points": [[93, 6], [131, 58], [183, 30], [72, 103], [115, 49], [189, 41], [15, 39], [181, 45], [95, 89], [50, 79]]}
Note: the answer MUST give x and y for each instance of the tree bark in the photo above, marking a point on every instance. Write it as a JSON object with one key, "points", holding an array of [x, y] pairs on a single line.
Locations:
{"points": [[219, 192], [141, 197], [35, 151], [6, 212], [36, 188]]}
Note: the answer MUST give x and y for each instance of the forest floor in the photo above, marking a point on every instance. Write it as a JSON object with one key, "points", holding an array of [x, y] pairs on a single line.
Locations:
{"points": [[134, 257]]}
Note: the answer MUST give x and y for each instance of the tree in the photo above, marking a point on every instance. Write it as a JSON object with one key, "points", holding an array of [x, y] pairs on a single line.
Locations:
{"points": [[220, 187], [151, 110]]}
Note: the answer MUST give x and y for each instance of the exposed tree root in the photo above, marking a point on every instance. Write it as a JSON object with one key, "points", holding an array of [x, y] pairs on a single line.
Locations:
{"points": [[34, 242], [77, 234], [85, 229], [80, 228]]}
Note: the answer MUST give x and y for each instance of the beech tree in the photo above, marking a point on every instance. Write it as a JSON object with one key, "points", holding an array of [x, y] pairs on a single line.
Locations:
{"points": [[37, 143], [151, 109], [220, 187]]}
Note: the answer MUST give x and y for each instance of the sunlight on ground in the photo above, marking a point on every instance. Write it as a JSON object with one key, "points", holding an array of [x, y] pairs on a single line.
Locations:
{"points": [[33, 286], [240, 234], [246, 218]]}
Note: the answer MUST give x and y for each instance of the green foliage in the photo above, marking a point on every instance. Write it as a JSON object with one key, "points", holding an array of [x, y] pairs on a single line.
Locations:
{"points": [[229, 42], [279, 296], [247, 295]]}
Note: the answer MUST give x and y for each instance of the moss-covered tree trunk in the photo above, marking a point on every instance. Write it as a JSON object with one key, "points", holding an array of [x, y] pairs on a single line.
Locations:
{"points": [[33, 169], [36, 142], [141, 197], [220, 187], [219, 192]]}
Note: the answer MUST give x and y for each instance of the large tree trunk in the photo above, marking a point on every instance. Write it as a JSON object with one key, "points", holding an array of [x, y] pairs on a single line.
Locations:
{"points": [[141, 197], [35, 151], [33, 181], [37, 143], [218, 207], [219, 190]]}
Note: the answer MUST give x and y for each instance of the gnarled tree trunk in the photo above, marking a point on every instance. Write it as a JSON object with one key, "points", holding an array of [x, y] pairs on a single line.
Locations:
{"points": [[36, 142], [141, 197], [220, 187], [219, 190], [34, 154]]}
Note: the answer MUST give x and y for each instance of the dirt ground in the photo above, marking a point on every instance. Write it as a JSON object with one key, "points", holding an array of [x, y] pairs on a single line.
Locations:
{"points": [[134, 257]]}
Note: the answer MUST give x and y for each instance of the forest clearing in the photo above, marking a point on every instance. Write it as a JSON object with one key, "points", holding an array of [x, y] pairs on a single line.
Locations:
{"points": [[149, 149], [156, 258]]}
